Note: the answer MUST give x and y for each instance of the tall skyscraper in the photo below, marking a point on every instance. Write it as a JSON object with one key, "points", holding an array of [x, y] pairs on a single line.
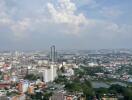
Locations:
{"points": [[53, 53]]}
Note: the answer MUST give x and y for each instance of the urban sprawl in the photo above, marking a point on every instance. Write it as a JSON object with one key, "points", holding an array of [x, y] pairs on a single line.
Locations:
{"points": [[66, 75]]}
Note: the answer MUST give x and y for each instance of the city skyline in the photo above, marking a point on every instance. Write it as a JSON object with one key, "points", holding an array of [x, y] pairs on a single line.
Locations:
{"points": [[68, 24]]}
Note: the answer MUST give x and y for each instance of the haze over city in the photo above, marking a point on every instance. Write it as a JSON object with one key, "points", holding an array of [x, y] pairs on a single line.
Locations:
{"points": [[69, 24]]}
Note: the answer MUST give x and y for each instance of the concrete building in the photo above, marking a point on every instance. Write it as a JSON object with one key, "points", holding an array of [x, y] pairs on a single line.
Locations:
{"points": [[31, 89], [69, 72], [23, 86], [58, 96], [49, 73]]}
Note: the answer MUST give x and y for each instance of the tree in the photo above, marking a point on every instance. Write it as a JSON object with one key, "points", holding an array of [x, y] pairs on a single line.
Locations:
{"points": [[60, 79], [73, 87], [31, 77], [116, 88], [88, 91], [47, 95], [127, 94], [88, 83], [101, 91]]}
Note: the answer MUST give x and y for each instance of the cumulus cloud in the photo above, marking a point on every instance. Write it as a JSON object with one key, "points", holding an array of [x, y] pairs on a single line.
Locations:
{"points": [[61, 17], [64, 13]]}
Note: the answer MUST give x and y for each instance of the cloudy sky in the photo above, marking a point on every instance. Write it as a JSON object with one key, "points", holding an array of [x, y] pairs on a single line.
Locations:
{"points": [[68, 24]]}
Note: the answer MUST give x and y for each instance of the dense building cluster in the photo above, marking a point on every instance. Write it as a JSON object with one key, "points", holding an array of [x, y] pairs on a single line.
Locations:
{"points": [[65, 75]]}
